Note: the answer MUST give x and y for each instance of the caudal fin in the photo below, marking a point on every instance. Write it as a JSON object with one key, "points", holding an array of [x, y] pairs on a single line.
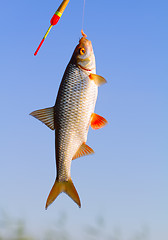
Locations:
{"points": [[59, 187]]}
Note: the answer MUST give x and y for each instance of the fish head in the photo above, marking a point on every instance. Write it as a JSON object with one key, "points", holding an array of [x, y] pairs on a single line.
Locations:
{"points": [[83, 55]]}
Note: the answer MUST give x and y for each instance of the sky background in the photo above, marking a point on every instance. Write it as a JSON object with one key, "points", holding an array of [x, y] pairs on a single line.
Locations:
{"points": [[125, 182]]}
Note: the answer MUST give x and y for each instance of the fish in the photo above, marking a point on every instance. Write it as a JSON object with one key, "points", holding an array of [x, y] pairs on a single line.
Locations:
{"points": [[72, 115]]}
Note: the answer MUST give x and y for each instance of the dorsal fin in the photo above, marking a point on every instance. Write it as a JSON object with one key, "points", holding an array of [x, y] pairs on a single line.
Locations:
{"points": [[83, 151], [46, 116]]}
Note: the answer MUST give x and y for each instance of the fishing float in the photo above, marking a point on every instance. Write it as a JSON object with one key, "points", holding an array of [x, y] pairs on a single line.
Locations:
{"points": [[54, 20]]}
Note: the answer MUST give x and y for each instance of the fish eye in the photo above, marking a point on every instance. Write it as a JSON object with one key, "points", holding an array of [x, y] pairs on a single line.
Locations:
{"points": [[82, 51]]}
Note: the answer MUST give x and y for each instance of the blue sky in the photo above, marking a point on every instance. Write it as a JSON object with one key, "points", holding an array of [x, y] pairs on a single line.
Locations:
{"points": [[126, 180]]}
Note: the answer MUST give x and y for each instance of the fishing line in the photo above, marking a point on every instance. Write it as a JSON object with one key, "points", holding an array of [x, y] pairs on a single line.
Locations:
{"points": [[83, 14]]}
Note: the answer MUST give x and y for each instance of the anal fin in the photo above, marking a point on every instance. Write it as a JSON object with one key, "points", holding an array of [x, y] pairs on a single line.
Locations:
{"points": [[83, 151], [46, 116], [97, 121]]}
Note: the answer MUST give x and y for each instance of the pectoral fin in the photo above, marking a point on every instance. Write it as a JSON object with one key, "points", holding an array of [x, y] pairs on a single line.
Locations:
{"points": [[97, 121], [83, 151], [46, 116], [97, 79]]}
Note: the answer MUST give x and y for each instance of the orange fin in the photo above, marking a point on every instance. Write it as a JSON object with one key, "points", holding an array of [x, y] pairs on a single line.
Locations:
{"points": [[59, 187], [83, 151], [97, 79], [97, 121], [46, 116]]}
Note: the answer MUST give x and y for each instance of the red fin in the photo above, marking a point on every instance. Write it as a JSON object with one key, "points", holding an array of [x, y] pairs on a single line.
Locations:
{"points": [[83, 151], [97, 121], [59, 187]]}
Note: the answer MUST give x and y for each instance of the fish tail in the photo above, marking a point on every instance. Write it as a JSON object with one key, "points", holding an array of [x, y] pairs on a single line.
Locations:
{"points": [[59, 187]]}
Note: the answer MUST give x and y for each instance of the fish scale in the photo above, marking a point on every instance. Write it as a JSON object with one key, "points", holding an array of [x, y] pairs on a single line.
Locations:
{"points": [[74, 105]]}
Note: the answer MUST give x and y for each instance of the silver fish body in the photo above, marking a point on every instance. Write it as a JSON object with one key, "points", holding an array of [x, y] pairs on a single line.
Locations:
{"points": [[72, 115], [74, 105]]}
